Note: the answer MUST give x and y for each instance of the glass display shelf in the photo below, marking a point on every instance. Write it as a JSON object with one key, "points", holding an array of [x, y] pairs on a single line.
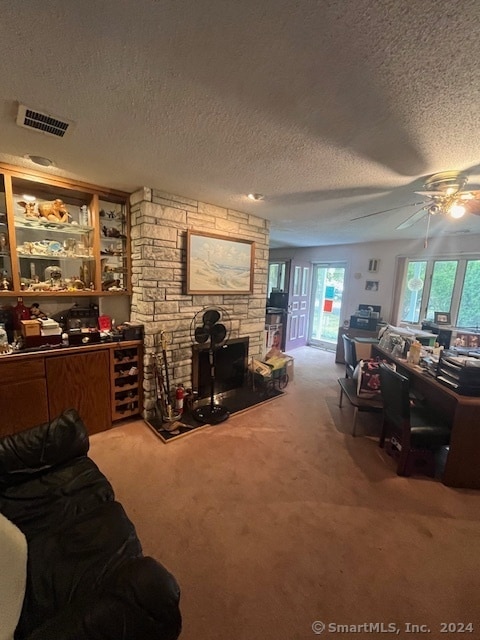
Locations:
{"points": [[54, 256], [113, 246], [56, 227], [58, 235], [6, 281]]}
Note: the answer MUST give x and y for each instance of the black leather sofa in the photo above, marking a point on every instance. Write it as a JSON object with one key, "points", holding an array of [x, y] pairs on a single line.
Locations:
{"points": [[87, 578]]}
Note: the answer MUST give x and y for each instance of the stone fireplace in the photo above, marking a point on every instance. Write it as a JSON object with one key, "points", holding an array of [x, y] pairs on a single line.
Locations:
{"points": [[158, 233]]}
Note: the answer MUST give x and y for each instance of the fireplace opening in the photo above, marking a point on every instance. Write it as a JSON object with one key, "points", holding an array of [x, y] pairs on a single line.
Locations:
{"points": [[231, 362]]}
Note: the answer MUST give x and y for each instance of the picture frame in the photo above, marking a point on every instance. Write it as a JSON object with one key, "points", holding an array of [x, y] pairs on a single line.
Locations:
{"points": [[371, 285], [441, 317], [218, 264]]}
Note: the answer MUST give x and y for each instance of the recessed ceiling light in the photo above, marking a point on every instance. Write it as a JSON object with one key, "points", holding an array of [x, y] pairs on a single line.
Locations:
{"points": [[44, 162], [255, 196]]}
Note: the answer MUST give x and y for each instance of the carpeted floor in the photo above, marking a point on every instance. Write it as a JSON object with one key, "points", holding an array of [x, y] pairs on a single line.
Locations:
{"points": [[278, 518]]}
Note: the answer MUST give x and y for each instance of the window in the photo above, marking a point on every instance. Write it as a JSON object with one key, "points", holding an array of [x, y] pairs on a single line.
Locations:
{"points": [[445, 286], [276, 276], [297, 276], [469, 311], [413, 291], [305, 279], [441, 289]]}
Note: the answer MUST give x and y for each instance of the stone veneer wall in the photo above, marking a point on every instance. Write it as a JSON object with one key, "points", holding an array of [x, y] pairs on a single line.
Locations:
{"points": [[159, 222]]}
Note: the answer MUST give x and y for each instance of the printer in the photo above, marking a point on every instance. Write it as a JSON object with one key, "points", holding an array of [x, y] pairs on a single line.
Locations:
{"points": [[366, 317]]}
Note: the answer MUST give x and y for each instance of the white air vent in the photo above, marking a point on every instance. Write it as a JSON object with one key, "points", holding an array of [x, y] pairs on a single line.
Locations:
{"points": [[43, 122]]}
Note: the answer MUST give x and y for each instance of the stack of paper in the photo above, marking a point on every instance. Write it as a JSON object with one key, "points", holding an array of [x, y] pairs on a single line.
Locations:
{"points": [[50, 327]]}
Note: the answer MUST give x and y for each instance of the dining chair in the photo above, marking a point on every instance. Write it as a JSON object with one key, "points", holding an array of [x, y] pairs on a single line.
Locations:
{"points": [[348, 387], [413, 431], [350, 355]]}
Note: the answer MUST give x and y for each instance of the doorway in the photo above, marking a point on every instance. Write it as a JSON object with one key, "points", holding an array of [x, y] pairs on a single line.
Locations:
{"points": [[298, 304], [327, 293]]}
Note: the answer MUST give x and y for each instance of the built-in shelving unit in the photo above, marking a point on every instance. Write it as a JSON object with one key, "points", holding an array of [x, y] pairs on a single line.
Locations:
{"points": [[61, 238]]}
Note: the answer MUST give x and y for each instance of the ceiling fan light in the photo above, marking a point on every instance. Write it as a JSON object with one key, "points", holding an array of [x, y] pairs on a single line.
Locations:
{"points": [[456, 210]]}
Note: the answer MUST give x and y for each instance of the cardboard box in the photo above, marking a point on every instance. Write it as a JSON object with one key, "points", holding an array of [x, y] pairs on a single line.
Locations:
{"points": [[30, 328]]}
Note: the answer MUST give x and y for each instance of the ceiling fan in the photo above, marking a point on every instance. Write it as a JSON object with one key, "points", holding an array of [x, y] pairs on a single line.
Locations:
{"points": [[445, 196]]}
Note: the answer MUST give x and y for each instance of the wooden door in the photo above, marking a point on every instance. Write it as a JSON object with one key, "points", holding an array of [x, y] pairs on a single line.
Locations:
{"points": [[298, 305], [81, 381]]}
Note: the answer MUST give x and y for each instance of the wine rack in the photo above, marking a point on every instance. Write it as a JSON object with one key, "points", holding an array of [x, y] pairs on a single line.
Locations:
{"points": [[127, 380]]}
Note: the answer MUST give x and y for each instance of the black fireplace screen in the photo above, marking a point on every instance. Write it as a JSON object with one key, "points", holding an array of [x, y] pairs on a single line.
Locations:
{"points": [[231, 361]]}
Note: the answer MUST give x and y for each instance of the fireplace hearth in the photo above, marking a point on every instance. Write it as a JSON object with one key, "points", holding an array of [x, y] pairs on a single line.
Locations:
{"points": [[236, 389], [236, 401]]}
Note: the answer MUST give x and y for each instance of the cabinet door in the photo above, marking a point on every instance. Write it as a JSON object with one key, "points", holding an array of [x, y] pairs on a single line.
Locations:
{"points": [[53, 237], [23, 395], [114, 254], [81, 381]]}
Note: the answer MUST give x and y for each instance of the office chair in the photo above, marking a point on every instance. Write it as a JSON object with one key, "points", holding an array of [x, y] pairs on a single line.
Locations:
{"points": [[350, 355], [414, 432]]}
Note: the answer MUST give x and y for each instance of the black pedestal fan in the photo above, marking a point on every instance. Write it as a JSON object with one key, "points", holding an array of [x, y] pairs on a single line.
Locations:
{"points": [[209, 325]]}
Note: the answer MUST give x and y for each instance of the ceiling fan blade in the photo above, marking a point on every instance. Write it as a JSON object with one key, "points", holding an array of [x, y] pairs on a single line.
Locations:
{"points": [[472, 206], [468, 195], [369, 215], [414, 218], [431, 194]]}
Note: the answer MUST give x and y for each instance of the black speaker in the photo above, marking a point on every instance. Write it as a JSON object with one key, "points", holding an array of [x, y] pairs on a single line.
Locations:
{"points": [[444, 338]]}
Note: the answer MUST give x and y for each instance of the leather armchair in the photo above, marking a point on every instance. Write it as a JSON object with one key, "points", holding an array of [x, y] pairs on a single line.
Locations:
{"points": [[86, 573]]}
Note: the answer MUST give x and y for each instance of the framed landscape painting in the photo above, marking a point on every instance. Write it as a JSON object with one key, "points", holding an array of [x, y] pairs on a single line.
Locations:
{"points": [[219, 264]]}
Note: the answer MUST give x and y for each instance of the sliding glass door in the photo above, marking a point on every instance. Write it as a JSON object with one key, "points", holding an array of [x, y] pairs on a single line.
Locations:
{"points": [[327, 293]]}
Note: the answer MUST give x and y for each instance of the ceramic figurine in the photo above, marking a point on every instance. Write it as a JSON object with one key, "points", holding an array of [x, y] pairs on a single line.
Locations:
{"points": [[54, 211], [29, 207]]}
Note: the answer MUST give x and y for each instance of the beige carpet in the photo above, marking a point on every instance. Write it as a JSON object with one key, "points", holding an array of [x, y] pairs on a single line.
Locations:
{"points": [[278, 518]]}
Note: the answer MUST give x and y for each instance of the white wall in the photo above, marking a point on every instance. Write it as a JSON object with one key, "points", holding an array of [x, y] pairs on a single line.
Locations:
{"points": [[357, 256]]}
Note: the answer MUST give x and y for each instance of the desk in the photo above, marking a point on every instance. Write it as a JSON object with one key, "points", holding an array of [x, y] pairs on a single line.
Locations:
{"points": [[462, 468]]}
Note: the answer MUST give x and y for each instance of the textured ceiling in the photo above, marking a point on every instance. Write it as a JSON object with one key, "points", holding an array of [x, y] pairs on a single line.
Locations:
{"points": [[332, 109]]}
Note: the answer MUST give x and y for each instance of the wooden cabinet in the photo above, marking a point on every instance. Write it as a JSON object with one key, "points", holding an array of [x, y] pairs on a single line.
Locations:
{"points": [[82, 381], [104, 383], [59, 237], [23, 395], [126, 374]]}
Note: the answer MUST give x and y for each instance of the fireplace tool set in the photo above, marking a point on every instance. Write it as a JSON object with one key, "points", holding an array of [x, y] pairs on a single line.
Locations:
{"points": [[164, 406]]}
